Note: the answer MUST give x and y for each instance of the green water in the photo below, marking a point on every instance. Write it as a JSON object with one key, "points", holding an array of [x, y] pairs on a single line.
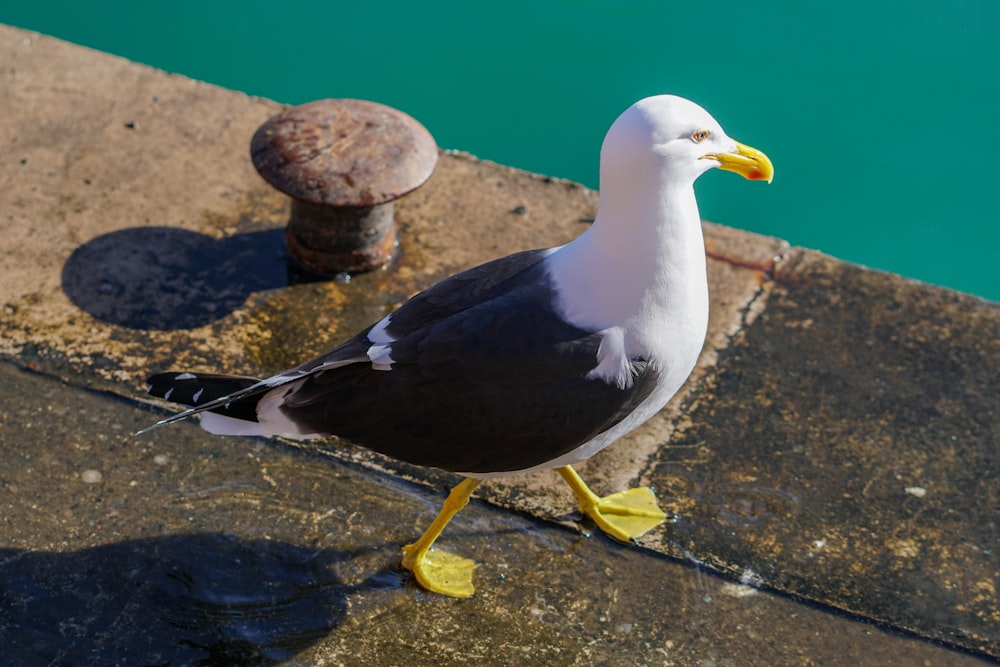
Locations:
{"points": [[882, 119]]}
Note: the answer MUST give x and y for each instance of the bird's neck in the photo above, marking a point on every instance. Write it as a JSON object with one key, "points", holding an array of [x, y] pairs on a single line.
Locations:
{"points": [[640, 266]]}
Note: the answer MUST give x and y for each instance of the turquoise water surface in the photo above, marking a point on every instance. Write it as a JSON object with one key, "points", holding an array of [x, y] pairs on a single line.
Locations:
{"points": [[882, 119]]}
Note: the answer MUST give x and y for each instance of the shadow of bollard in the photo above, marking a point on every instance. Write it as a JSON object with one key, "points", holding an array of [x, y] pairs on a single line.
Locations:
{"points": [[162, 278], [205, 599]]}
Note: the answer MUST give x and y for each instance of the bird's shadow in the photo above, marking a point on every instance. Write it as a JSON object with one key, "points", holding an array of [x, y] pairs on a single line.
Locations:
{"points": [[202, 599], [162, 278]]}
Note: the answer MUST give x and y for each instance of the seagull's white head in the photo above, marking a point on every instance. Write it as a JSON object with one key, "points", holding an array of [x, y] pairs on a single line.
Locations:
{"points": [[667, 140]]}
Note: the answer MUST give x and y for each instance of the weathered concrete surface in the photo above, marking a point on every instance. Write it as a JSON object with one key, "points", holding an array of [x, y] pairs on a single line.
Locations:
{"points": [[191, 549], [846, 450], [811, 451]]}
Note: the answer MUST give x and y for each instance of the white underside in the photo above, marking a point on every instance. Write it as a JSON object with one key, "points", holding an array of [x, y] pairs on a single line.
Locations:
{"points": [[217, 424], [270, 419]]}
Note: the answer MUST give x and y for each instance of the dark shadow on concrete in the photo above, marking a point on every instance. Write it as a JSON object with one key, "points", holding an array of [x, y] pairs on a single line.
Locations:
{"points": [[167, 279], [202, 599]]}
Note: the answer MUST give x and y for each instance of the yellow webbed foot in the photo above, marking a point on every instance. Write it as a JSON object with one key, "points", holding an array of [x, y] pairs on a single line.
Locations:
{"points": [[627, 514], [624, 515], [440, 571]]}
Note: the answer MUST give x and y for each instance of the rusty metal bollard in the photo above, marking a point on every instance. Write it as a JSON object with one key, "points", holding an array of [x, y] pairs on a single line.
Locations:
{"points": [[343, 162]]}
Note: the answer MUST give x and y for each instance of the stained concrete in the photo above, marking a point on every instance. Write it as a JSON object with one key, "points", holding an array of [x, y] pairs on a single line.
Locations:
{"points": [[837, 442], [845, 450], [182, 548]]}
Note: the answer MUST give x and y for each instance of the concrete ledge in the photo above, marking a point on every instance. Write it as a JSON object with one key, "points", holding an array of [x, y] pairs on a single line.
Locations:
{"points": [[837, 442], [845, 450]]}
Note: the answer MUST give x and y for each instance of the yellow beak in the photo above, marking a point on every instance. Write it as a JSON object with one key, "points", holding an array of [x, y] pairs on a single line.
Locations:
{"points": [[748, 162]]}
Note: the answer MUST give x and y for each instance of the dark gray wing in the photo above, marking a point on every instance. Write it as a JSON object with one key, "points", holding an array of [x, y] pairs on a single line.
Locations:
{"points": [[452, 295], [486, 377], [467, 289], [239, 398]]}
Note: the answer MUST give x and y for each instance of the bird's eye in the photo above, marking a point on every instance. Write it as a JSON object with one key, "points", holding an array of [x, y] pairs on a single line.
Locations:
{"points": [[700, 136]]}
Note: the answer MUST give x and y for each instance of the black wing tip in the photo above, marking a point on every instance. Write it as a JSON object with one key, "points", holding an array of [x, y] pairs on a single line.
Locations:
{"points": [[159, 384], [171, 376]]}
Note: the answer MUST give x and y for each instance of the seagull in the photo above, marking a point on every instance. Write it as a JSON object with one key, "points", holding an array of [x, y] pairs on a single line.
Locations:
{"points": [[537, 360]]}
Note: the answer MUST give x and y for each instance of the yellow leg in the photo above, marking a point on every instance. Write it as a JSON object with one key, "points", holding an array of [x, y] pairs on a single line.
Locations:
{"points": [[439, 571], [624, 515]]}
